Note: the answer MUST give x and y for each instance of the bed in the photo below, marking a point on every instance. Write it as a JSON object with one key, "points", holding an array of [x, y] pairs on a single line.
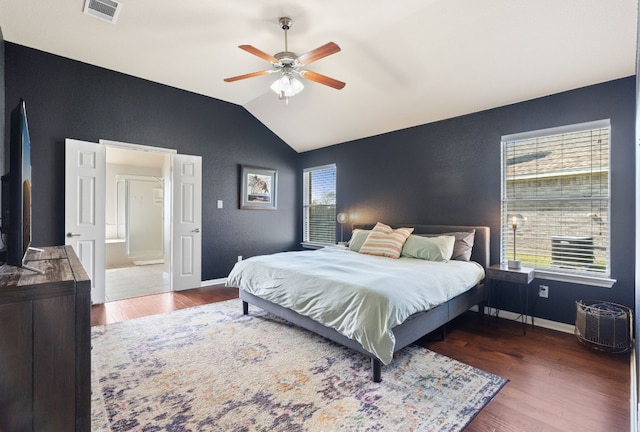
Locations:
{"points": [[257, 277]]}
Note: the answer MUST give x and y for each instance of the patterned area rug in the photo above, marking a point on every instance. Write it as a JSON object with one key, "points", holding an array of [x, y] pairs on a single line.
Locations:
{"points": [[210, 368]]}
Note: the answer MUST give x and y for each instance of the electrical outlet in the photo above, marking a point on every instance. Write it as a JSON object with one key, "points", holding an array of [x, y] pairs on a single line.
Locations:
{"points": [[239, 258], [543, 291]]}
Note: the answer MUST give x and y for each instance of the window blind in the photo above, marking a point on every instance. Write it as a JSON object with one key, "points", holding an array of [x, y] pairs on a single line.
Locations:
{"points": [[319, 205], [559, 183]]}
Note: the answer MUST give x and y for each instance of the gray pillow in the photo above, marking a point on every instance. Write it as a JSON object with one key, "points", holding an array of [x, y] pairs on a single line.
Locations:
{"points": [[462, 246], [358, 237]]}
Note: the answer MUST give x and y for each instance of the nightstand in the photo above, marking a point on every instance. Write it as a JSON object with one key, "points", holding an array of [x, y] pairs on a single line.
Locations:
{"points": [[521, 277]]}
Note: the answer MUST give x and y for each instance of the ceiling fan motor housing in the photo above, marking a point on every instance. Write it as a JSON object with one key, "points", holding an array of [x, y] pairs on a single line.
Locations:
{"points": [[286, 58], [285, 23]]}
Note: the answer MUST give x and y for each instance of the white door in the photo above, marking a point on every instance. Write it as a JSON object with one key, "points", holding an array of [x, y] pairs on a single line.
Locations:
{"points": [[186, 259], [85, 170]]}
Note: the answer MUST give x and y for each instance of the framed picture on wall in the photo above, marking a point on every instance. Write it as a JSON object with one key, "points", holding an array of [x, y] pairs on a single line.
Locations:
{"points": [[258, 188]]}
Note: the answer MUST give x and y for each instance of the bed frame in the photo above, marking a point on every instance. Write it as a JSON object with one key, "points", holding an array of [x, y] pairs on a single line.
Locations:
{"points": [[417, 325]]}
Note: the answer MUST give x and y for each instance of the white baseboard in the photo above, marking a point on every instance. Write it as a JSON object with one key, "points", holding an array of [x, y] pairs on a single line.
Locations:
{"points": [[210, 282], [538, 322]]}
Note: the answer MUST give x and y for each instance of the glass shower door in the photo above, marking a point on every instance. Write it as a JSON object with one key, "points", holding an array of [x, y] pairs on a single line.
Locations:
{"points": [[144, 214]]}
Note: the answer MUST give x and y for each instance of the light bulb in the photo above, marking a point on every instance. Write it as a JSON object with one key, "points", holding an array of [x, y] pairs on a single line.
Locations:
{"points": [[287, 86]]}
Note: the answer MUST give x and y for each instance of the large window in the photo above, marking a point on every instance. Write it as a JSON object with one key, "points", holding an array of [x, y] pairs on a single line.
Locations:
{"points": [[558, 181], [319, 205]]}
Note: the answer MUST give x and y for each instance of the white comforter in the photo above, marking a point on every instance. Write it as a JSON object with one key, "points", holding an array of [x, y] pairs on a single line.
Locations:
{"points": [[361, 296]]}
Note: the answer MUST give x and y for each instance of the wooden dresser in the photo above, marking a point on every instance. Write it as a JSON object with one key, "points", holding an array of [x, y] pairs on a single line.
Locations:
{"points": [[45, 344]]}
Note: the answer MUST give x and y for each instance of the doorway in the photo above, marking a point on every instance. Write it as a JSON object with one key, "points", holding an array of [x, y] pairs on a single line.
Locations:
{"points": [[85, 212], [135, 250]]}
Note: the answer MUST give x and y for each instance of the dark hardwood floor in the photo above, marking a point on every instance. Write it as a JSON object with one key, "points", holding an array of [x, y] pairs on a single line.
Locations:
{"points": [[138, 307], [555, 382]]}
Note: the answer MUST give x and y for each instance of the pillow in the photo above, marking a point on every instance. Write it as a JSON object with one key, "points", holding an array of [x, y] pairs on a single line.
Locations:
{"points": [[429, 248], [358, 237], [385, 241], [463, 245]]}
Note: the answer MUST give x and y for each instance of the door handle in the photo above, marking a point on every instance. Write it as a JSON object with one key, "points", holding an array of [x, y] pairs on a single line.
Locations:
{"points": [[70, 234], [197, 230]]}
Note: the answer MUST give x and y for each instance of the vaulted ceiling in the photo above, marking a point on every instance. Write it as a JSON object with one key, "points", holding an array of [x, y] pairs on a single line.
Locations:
{"points": [[405, 62]]}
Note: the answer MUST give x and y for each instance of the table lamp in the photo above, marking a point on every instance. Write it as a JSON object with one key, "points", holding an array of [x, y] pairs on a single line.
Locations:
{"points": [[517, 222], [342, 218]]}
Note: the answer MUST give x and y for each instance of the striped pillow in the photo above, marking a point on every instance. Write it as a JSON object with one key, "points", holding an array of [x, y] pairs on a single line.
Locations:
{"points": [[385, 241]]}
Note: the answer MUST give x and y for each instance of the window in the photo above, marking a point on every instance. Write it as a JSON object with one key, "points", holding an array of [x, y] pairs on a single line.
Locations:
{"points": [[558, 181], [319, 205]]}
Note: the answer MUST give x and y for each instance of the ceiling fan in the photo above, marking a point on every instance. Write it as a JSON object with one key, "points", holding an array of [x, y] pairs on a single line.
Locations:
{"points": [[289, 64]]}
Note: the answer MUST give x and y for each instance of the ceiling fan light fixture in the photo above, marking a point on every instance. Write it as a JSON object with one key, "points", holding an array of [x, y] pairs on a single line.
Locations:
{"points": [[287, 86]]}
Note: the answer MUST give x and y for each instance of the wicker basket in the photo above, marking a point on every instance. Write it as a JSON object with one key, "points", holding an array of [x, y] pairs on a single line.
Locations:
{"points": [[604, 326]]}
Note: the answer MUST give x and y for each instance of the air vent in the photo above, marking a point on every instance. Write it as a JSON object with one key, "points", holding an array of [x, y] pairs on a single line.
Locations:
{"points": [[107, 10]]}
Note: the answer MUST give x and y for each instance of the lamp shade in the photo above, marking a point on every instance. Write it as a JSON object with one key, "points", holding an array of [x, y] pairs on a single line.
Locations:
{"points": [[516, 221], [287, 86], [342, 218]]}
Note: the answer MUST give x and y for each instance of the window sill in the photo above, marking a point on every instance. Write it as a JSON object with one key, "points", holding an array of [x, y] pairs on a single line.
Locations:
{"points": [[603, 282], [312, 245]]}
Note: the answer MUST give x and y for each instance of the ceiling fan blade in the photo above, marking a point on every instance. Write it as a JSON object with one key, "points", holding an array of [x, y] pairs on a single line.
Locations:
{"points": [[249, 75], [323, 79], [318, 53], [255, 51]]}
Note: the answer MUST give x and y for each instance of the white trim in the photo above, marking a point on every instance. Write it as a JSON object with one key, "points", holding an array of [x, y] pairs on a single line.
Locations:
{"points": [[538, 322], [147, 178], [211, 282], [138, 147], [306, 205], [579, 127], [603, 282], [313, 245], [320, 167]]}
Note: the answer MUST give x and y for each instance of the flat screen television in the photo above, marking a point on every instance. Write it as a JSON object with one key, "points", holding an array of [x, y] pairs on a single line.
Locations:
{"points": [[16, 190]]}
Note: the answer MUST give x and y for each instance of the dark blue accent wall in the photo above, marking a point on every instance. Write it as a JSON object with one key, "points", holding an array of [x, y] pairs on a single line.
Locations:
{"points": [[448, 172], [69, 99]]}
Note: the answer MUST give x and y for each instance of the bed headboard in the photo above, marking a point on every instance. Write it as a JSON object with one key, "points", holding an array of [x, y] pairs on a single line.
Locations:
{"points": [[480, 251]]}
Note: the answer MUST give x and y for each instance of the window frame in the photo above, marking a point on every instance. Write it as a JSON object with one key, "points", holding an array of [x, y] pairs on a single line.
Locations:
{"points": [[581, 277], [306, 206]]}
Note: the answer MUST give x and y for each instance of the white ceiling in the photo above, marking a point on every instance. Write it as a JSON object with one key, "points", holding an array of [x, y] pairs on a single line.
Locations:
{"points": [[405, 62]]}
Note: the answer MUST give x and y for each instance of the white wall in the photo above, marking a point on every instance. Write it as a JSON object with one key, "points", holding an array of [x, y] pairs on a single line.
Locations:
{"points": [[113, 171], [116, 254]]}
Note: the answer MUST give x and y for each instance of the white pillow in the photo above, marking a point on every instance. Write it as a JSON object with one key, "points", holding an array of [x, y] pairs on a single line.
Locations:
{"points": [[429, 248]]}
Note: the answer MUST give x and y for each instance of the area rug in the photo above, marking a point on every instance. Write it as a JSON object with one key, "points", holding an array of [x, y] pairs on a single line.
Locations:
{"points": [[210, 368]]}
